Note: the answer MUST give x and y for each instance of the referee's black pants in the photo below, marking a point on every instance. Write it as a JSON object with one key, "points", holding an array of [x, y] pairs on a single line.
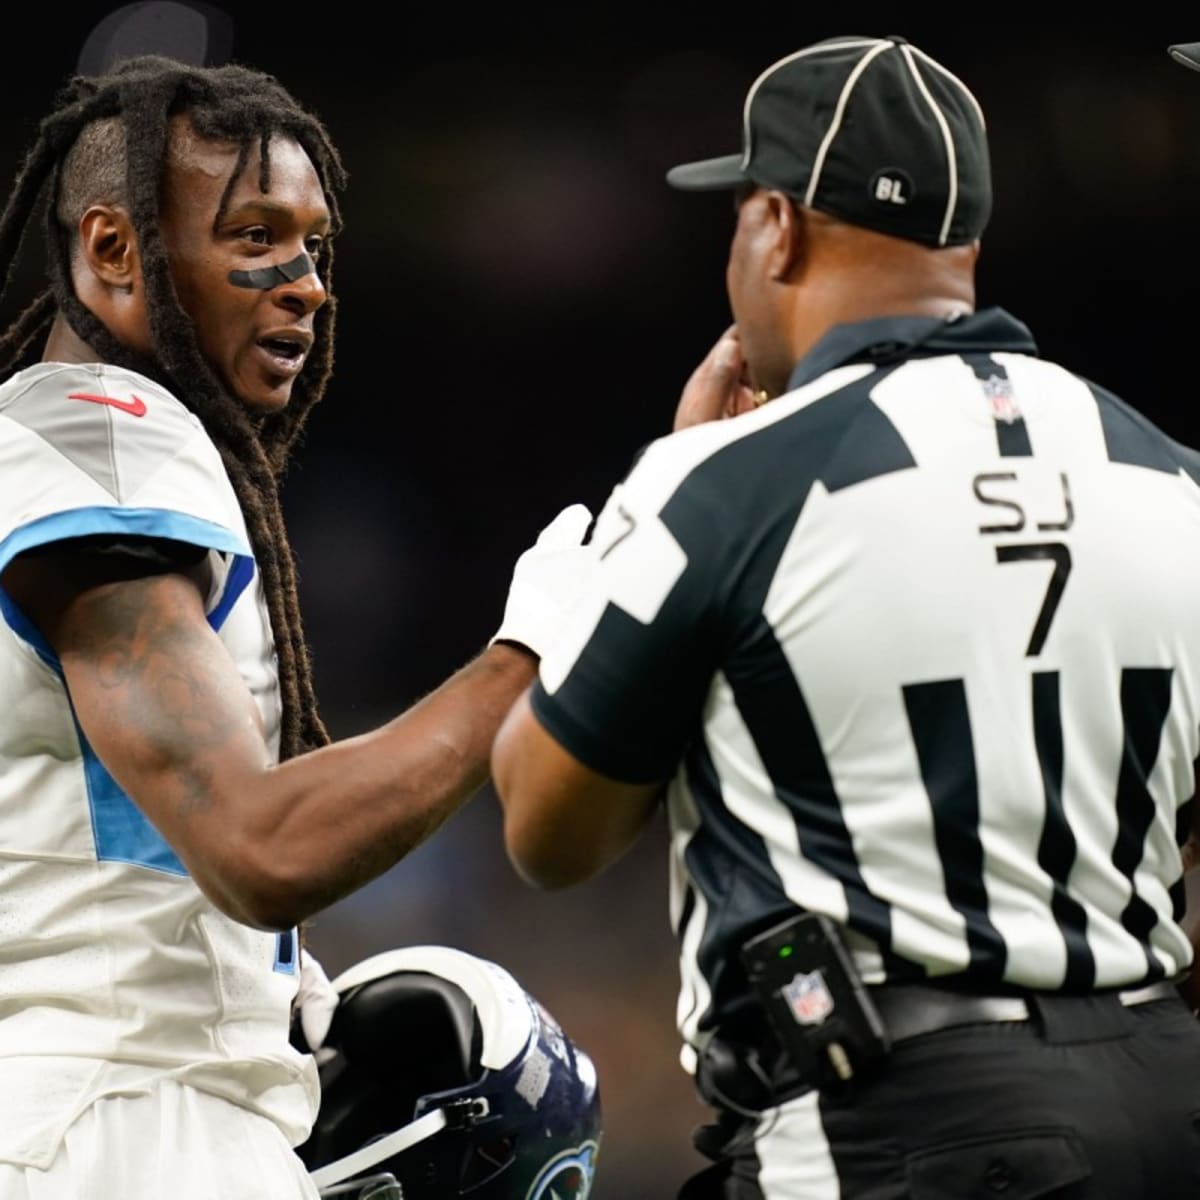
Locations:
{"points": [[1085, 1102]]}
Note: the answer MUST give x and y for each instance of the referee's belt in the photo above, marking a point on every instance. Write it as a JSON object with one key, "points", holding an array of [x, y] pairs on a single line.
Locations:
{"points": [[748, 1074], [911, 1010]]}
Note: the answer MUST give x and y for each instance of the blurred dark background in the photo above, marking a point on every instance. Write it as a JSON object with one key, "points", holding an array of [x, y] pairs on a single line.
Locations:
{"points": [[521, 300]]}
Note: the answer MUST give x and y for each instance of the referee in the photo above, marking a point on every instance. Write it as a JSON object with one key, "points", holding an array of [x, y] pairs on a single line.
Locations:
{"points": [[912, 652]]}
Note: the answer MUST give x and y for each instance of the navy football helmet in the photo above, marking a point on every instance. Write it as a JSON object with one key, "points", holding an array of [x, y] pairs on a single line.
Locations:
{"points": [[441, 1078]]}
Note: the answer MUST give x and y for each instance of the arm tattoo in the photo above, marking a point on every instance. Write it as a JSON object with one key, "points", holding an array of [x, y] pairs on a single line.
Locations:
{"points": [[152, 661]]}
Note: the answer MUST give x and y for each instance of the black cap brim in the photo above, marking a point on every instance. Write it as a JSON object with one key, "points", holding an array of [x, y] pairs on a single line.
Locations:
{"points": [[709, 175], [1187, 53]]}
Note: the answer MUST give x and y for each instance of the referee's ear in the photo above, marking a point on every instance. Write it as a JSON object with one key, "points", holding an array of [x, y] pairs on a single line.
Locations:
{"points": [[792, 234]]}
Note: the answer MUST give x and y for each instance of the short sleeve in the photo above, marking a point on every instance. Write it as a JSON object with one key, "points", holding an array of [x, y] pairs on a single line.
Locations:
{"points": [[623, 689], [94, 451]]}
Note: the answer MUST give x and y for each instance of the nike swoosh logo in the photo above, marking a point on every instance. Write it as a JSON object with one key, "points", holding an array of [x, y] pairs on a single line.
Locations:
{"points": [[135, 406]]}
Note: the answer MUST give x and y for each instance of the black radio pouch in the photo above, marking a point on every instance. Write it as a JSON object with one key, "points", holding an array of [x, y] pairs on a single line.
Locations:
{"points": [[815, 1000]]}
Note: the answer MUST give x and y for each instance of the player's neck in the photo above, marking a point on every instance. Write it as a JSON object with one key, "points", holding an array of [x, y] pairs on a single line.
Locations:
{"points": [[64, 345]]}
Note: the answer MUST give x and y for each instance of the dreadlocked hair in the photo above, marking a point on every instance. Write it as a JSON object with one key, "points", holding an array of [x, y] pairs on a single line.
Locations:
{"points": [[108, 140]]}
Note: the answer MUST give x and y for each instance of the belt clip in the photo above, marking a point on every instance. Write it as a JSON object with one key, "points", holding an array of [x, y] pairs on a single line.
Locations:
{"points": [[1073, 1020]]}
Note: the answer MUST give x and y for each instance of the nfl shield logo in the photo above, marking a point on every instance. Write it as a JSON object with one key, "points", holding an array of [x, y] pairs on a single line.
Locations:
{"points": [[809, 998], [999, 392]]}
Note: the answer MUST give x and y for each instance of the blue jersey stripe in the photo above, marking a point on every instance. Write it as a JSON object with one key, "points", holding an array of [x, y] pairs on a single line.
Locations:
{"points": [[286, 947], [121, 831], [133, 522], [239, 576], [25, 629]]}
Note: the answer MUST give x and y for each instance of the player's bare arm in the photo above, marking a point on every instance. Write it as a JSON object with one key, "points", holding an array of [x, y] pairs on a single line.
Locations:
{"points": [[164, 707], [563, 822]]}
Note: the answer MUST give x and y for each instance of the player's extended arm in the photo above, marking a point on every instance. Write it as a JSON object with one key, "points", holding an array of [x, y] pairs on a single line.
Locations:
{"points": [[563, 822], [165, 709]]}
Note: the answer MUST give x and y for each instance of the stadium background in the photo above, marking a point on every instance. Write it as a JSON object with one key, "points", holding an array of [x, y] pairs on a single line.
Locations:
{"points": [[522, 298]]}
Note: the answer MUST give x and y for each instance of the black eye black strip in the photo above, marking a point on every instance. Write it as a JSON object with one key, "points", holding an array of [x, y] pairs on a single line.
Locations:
{"points": [[263, 279]]}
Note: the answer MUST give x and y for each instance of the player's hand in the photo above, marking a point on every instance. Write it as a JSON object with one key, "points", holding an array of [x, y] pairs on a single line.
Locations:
{"points": [[720, 386], [546, 581]]}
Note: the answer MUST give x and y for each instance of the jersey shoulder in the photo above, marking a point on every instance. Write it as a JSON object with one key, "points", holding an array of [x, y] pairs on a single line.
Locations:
{"points": [[1133, 438], [92, 449], [743, 450], [103, 424]]}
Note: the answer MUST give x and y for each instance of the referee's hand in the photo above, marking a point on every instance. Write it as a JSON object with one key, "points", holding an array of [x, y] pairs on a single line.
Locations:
{"points": [[719, 387]]}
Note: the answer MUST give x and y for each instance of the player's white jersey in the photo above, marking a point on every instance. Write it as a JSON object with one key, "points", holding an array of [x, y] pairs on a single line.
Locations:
{"points": [[919, 643], [114, 968]]}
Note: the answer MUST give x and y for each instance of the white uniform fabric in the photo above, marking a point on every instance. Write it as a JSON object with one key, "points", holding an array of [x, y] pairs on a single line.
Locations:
{"points": [[115, 971], [190, 1146]]}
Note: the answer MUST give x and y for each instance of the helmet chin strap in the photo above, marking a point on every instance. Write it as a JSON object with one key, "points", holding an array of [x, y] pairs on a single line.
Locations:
{"points": [[366, 1187], [379, 1151], [455, 1115]]}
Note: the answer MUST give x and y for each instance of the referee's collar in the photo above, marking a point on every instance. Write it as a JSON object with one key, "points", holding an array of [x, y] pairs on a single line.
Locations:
{"points": [[888, 340]]}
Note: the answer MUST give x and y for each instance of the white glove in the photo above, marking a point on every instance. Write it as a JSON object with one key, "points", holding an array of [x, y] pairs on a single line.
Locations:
{"points": [[546, 580], [316, 1000]]}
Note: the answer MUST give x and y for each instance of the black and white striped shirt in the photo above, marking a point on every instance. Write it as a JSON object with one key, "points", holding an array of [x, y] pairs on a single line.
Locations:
{"points": [[919, 645]]}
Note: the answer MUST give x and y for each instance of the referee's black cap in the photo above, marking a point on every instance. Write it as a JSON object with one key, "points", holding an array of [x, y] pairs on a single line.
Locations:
{"points": [[870, 130], [1187, 53]]}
